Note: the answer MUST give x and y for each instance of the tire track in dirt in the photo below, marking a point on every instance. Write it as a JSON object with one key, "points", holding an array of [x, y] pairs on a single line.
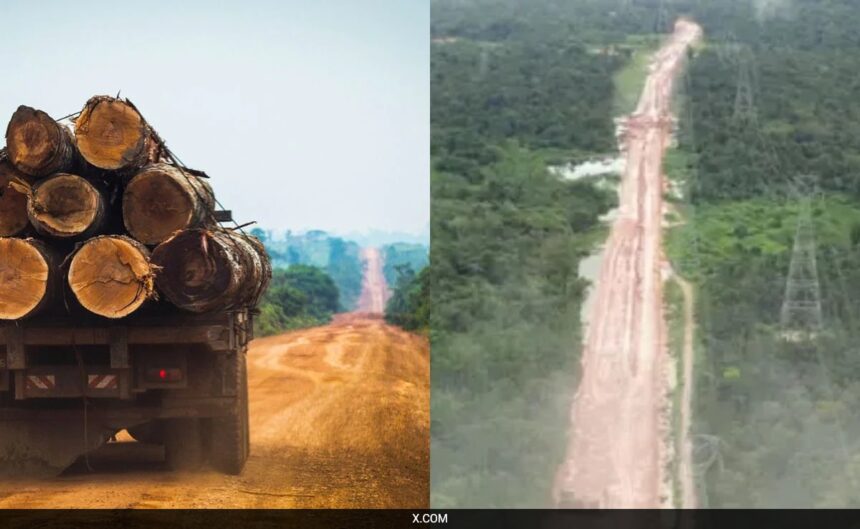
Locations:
{"points": [[340, 417]]}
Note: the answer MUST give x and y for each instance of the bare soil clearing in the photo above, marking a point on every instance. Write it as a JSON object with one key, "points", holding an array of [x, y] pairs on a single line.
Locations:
{"points": [[616, 453]]}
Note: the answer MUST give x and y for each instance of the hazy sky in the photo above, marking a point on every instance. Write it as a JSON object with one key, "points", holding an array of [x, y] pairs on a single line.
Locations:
{"points": [[305, 113]]}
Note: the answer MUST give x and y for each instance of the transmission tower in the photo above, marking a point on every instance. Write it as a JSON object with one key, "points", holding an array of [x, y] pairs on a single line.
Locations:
{"points": [[745, 109], [727, 48], [706, 452], [801, 306], [662, 23]]}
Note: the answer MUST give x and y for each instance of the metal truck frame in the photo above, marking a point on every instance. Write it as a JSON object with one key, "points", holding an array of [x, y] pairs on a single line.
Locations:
{"points": [[69, 384]]}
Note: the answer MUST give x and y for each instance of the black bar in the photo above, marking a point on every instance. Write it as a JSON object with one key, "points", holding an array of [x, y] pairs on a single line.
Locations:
{"points": [[417, 518]]}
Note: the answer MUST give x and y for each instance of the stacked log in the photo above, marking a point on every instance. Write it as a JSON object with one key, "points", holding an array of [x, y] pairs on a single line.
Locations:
{"points": [[112, 135], [113, 220], [161, 200], [37, 145], [26, 275], [111, 275], [65, 206], [204, 270], [13, 199]]}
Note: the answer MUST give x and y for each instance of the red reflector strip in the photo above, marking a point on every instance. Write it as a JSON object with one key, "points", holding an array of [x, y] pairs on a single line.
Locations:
{"points": [[40, 382], [103, 381]]}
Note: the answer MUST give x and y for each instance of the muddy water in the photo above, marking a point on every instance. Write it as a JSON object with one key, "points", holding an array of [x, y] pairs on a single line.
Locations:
{"points": [[589, 168], [589, 267]]}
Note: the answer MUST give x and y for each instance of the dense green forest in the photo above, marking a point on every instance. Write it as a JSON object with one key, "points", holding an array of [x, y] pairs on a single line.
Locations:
{"points": [[340, 258], [397, 255], [785, 411], [298, 296], [409, 306], [408, 277], [514, 86]]}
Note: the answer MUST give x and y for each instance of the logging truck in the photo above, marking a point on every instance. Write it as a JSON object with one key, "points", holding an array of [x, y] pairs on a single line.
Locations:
{"points": [[179, 380], [124, 304]]}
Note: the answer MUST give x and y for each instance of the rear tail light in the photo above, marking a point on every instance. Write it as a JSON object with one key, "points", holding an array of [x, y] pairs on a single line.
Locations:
{"points": [[164, 374]]}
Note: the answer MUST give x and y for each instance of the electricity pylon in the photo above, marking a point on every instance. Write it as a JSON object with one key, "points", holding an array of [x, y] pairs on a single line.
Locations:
{"points": [[801, 307], [662, 23], [745, 109], [706, 452], [728, 48]]}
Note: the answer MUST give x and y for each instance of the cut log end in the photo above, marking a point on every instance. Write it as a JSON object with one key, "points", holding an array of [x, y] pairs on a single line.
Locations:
{"points": [[112, 135], [24, 275], [13, 201], [202, 271], [65, 205], [111, 276], [160, 201], [37, 145]]}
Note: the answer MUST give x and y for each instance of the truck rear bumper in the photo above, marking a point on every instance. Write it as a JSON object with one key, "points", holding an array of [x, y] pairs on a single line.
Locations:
{"points": [[115, 416], [46, 359]]}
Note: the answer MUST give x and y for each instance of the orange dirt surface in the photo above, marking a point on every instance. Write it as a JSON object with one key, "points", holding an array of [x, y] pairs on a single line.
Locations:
{"points": [[374, 291], [616, 452], [340, 417]]}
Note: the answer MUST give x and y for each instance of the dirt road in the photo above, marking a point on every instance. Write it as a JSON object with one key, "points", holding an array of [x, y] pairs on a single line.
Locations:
{"points": [[685, 467], [374, 292], [616, 454], [340, 417]]}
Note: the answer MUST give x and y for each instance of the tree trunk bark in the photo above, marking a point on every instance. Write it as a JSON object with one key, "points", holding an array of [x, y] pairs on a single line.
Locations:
{"points": [[112, 135], [203, 271], [26, 276], [162, 199], [37, 145], [13, 199], [67, 206], [111, 275]]}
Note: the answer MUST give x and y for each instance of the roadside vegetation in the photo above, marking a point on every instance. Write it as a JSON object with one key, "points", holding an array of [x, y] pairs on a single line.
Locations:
{"points": [[786, 412], [399, 255], [338, 257], [299, 296], [409, 306], [629, 80], [515, 87]]}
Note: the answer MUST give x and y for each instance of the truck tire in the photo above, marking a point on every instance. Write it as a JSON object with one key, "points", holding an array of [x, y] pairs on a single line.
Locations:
{"points": [[183, 444], [229, 437]]}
